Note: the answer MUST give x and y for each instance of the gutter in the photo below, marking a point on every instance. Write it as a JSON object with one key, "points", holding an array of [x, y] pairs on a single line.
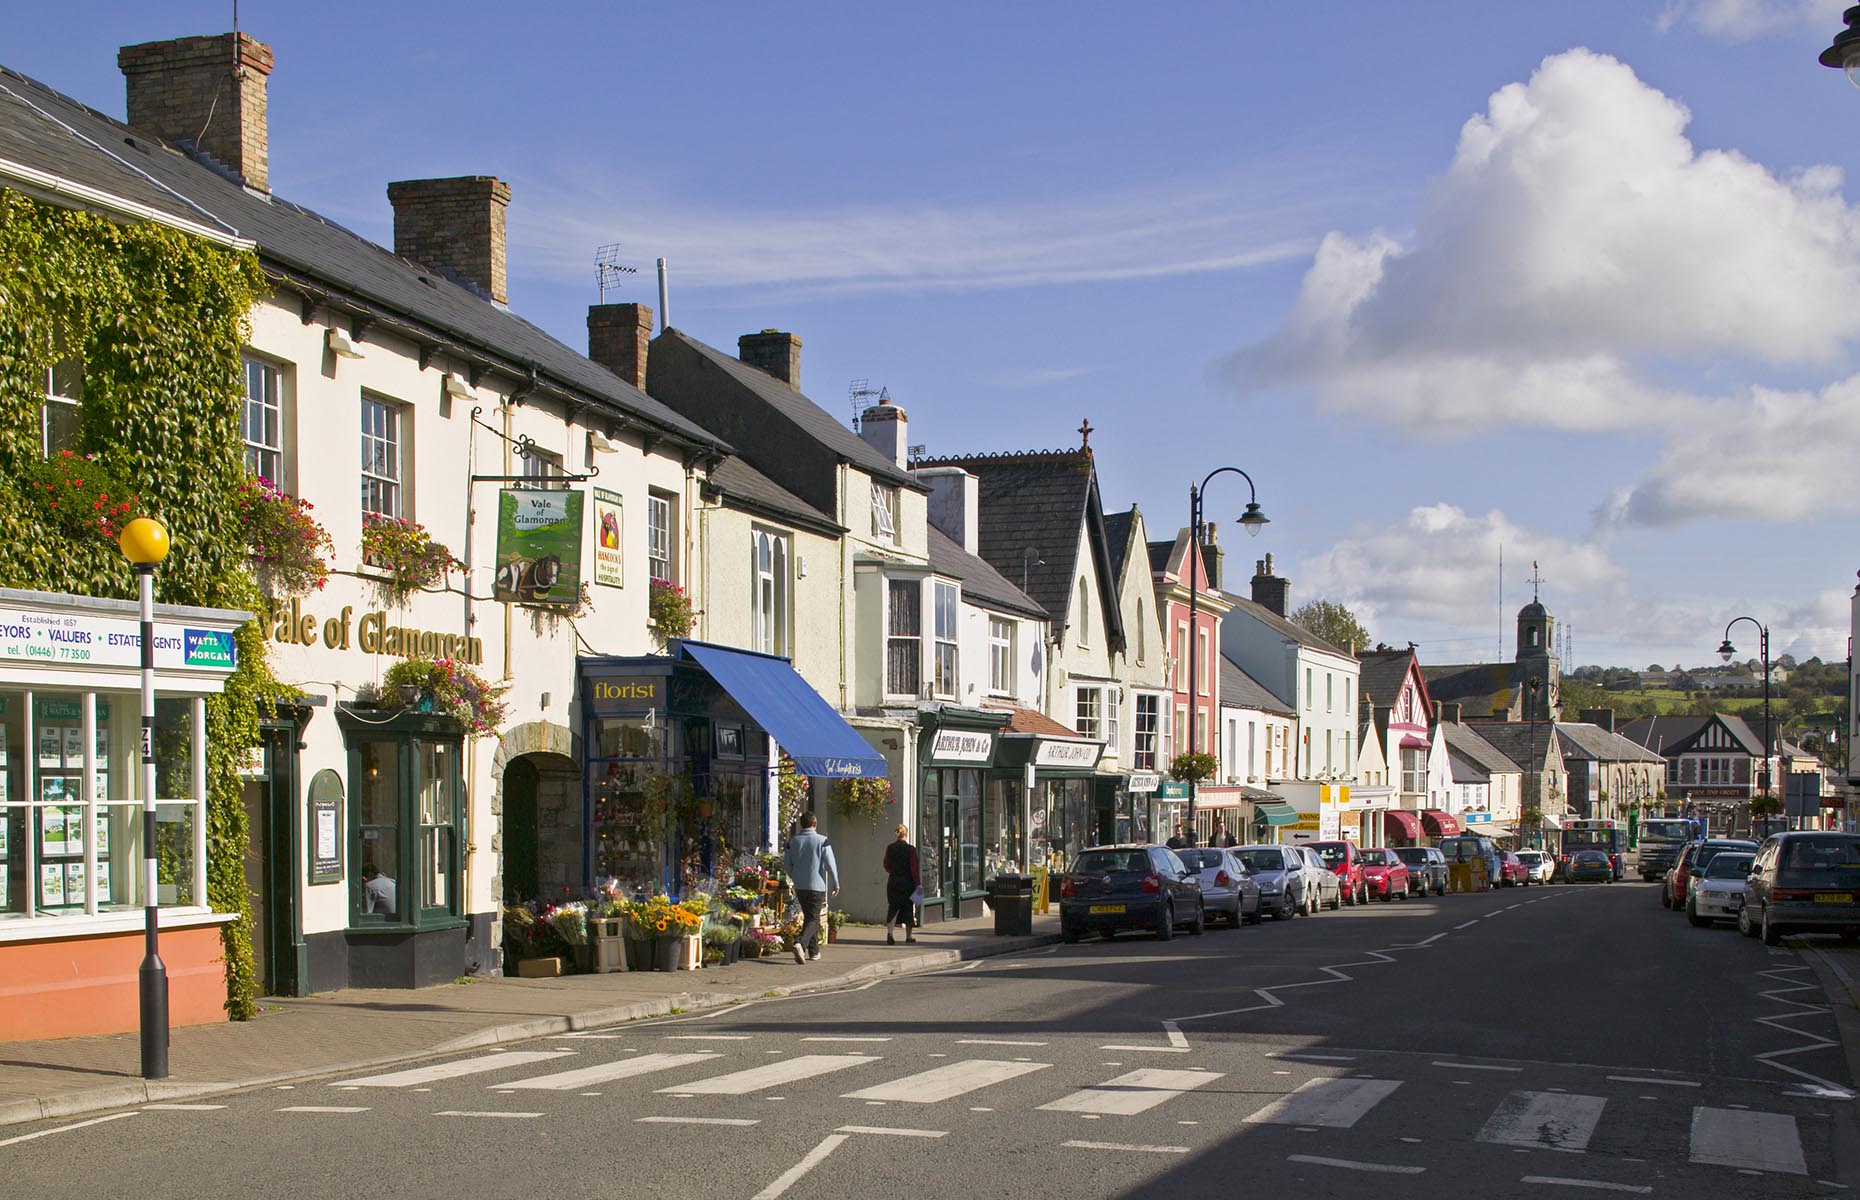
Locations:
{"points": [[92, 197]]}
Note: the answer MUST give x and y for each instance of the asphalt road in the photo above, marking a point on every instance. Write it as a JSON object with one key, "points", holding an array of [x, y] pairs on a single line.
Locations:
{"points": [[1532, 1042]]}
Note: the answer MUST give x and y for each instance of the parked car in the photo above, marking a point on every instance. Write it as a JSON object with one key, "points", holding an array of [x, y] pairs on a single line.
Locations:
{"points": [[1324, 890], [1693, 859], [1280, 873], [1718, 894], [1113, 888], [1346, 862], [1511, 870], [1227, 888], [1803, 882], [1540, 866], [1591, 866], [1427, 869], [1385, 875]]}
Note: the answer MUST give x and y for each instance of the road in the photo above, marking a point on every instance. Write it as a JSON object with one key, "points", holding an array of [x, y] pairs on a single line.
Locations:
{"points": [[1544, 1041]]}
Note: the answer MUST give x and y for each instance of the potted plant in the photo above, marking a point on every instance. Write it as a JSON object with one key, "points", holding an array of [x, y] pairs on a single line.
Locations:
{"points": [[724, 937], [835, 919], [406, 554], [671, 612], [289, 550], [760, 943], [862, 797]]}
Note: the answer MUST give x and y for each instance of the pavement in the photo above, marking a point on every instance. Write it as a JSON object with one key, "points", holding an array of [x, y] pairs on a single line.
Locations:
{"points": [[297, 1039]]}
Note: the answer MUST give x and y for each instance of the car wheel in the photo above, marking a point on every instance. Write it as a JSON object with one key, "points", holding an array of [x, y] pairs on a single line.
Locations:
{"points": [[1772, 936], [1201, 921], [1666, 898], [1364, 898], [1388, 894], [1068, 935], [1286, 911], [1165, 925], [1257, 916], [1692, 916], [1337, 901], [1744, 925]]}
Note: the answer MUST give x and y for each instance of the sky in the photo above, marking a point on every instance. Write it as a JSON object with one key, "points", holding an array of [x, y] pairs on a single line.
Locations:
{"points": [[1578, 282]]}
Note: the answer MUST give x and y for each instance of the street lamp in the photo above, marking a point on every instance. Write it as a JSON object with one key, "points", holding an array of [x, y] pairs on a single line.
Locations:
{"points": [[145, 544], [1531, 687], [1843, 54], [1253, 520], [1726, 650]]}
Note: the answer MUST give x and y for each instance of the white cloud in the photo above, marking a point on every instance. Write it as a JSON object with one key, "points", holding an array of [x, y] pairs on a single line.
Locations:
{"points": [[1577, 247], [1742, 20]]}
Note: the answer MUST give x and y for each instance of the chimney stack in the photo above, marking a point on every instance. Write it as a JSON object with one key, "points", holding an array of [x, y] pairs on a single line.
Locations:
{"points": [[1447, 712], [1268, 589], [777, 353], [955, 502], [618, 335], [1211, 559], [206, 93], [885, 428], [1601, 717], [456, 227]]}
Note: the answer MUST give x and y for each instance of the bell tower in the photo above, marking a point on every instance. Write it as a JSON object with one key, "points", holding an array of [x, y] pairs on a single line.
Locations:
{"points": [[1536, 656]]}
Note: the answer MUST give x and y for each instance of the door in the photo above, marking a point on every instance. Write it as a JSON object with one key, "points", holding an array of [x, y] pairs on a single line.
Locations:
{"points": [[520, 877], [952, 855], [271, 861]]}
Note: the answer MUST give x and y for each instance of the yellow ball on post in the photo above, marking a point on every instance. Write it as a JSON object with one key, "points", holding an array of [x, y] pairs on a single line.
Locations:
{"points": [[144, 541]]}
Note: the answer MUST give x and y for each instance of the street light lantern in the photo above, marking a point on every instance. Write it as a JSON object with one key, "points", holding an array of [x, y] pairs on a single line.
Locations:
{"points": [[1727, 650], [1254, 520], [144, 542], [1843, 54]]}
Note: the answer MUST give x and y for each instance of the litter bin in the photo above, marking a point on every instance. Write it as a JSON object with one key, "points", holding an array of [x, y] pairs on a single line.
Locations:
{"points": [[1011, 896]]}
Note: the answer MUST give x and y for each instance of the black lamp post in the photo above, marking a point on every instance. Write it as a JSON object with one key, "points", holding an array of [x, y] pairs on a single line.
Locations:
{"points": [[1253, 520], [1531, 687], [145, 544], [1726, 650]]}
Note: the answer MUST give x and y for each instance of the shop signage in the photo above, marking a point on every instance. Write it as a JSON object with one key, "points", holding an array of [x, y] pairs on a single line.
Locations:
{"points": [[325, 827], [962, 745], [1067, 754], [1144, 781], [1174, 789], [607, 538], [292, 626], [1476, 818], [1718, 793], [538, 547], [1305, 821], [608, 693], [94, 640]]}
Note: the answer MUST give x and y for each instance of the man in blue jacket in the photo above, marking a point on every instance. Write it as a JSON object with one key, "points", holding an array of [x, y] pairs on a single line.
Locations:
{"points": [[812, 873]]}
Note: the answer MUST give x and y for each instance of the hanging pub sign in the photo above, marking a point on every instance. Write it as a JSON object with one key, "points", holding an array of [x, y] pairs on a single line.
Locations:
{"points": [[538, 547], [607, 538]]}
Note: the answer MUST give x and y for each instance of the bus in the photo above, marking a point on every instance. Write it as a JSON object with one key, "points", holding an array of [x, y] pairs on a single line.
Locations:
{"points": [[1593, 833], [1662, 838]]}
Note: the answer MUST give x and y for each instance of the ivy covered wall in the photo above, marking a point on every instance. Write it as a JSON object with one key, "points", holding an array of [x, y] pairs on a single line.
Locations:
{"points": [[157, 320]]}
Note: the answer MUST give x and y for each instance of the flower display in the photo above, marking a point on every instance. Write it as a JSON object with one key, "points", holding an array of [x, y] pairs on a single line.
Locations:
{"points": [[407, 552], [672, 613], [454, 689], [288, 548], [80, 494], [866, 798]]}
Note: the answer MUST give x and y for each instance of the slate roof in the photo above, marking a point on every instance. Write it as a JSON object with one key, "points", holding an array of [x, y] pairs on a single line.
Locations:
{"points": [[1466, 742], [1383, 673], [1164, 553], [49, 131], [1583, 740], [1478, 688], [1041, 499], [746, 488], [982, 585], [1118, 527], [1513, 739], [1281, 625], [1464, 770], [1240, 690], [1663, 735]]}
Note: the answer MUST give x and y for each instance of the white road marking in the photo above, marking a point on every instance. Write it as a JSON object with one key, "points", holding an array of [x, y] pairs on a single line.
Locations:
{"points": [[804, 1066], [947, 1082], [1150, 1049], [1315, 1057], [809, 1161], [508, 1116], [1467, 924], [739, 1122], [596, 1036], [182, 1107], [1659, 1082], [1133, 1092], [711, 1037], [323, 1108], [1463, 1066], [994, 1042], [845, 1039], [1352, 1165], [624, 1068], [1175, 1034], [27, 1137], [1126, 1147], [452, 1070], [1330, 1103], [1759, 1140], [1547, 1120], [1598, 1185], [893, 1131]]}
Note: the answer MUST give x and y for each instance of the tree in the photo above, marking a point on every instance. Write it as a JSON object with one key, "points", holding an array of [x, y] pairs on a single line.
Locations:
{"points": [[1655, 668], [1332, 622]]}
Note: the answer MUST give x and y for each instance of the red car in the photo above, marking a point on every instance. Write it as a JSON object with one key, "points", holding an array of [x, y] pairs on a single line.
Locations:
{"points": [[1384, 874], [1346, 862], [1512, 871]]}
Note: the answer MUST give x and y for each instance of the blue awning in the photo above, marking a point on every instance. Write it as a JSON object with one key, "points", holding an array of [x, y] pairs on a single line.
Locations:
{"points": [[816, 737]]}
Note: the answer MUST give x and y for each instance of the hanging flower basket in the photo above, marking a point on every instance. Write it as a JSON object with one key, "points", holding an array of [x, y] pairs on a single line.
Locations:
{"points": [[79, 494], [866, 798], [408, 555], [1194, 768], [672, 614], [288, 548], [445, 685]]}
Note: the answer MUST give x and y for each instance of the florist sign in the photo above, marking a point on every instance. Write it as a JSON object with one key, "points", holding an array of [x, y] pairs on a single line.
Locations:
{"points": [[538, 547]]}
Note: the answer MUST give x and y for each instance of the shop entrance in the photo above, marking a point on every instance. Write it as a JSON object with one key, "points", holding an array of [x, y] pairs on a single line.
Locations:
{"points": [[519, 828], [951, 858], [270, 859]]}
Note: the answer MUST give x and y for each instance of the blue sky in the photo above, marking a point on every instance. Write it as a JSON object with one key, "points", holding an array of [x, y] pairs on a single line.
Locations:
{"points": [[1581, 279]]}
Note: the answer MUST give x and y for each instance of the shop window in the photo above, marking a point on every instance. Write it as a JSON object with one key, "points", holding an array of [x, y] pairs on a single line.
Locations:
{"points": [[1002, 835], [624, 846], [930, 836], [659, 538], [904, 638], [262, 422], [948, 651], [382, 493], [1001, 656], [769, 598], [1145, 745], [407, 825]]}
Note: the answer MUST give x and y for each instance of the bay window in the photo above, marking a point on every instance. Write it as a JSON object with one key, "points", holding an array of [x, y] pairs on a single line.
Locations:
{"points": [[904, 633], [947, 648], [1145, 746], [408, 822]]}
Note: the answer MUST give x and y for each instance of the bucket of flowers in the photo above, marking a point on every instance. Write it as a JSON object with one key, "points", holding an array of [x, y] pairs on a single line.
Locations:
{"points": [[760, 943], [570, 922], [723, 942]]}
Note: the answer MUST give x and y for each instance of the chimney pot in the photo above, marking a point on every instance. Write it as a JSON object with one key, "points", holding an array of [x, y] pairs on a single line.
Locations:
{"points": [[618, 338], [454, 226], [774, 352], [207, 93], [1269, 590]]}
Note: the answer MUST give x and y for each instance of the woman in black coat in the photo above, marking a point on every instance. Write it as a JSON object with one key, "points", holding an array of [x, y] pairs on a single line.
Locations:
{"points": [[901, 884]]}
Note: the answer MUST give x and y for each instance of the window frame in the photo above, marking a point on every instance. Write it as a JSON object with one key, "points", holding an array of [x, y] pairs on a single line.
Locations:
{"points": [[72, 398], [1146, 744], [404, 737], [884, 511], [269, 401], [542, 471], [904, 646], [1000, 656], [771, 558], [392, 435], [946, 635], [660, 535], [1088, 711]]}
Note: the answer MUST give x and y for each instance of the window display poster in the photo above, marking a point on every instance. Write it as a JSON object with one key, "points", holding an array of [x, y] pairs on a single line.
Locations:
{"points": [[103, 832], [103, 743], [74, 831], [103, 883], [51, 884], [51, 748], [74, 883], [52, 833], [2, 745], [53, 789], [74, 746]]}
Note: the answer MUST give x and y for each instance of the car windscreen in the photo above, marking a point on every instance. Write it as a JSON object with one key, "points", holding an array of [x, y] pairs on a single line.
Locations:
{"points": [[1701, 862], [1820, 862], [1414, 856], [1665, 831], [1195, 860], [1262, 860], [1331, 852], [1729, 866], [1104, 862]]}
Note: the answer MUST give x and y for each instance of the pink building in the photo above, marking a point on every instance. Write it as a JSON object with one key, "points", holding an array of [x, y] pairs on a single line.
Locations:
{"points": [[1196, 719]]}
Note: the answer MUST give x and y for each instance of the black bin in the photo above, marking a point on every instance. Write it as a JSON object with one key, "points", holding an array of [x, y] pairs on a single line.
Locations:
{"points": [[1011, 896]]}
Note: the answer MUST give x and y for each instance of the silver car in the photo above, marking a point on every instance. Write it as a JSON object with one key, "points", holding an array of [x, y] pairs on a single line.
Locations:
{"points": [[1280, 873], [1718, 894], [1227, 888], [1323, 890]]}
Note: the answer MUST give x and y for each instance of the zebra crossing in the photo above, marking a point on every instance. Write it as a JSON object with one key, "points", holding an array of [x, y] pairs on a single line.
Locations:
{"points": [[1523, 1119]]}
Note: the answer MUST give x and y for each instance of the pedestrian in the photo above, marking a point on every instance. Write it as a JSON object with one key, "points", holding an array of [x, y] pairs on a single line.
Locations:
{"points": [[1220, 836], [902, 887], [812, 872], [378, 891], [1182, 840]]}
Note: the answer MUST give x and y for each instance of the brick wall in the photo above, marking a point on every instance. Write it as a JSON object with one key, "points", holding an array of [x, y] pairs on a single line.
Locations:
{"points": [[455, 226], [779, 354], [207, 92], [618, 337]]}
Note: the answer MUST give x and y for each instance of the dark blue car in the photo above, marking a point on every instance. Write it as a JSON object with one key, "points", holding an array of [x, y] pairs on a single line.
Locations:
{"points": [[1112, 888]]}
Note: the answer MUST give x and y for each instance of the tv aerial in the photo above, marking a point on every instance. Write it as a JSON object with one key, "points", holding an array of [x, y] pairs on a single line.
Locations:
{"points": [[862, 396], [608, 269]]}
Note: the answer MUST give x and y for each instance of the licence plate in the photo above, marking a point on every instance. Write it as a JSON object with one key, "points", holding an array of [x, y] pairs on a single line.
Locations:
{"points": [[1106, 908], [1833, 898]]}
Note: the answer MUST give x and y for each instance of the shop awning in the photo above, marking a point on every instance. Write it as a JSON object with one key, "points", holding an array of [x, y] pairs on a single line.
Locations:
{"points": [[1275, 812], [1399, 822], [1438, 823], [816, 737], [1410, 742]]}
